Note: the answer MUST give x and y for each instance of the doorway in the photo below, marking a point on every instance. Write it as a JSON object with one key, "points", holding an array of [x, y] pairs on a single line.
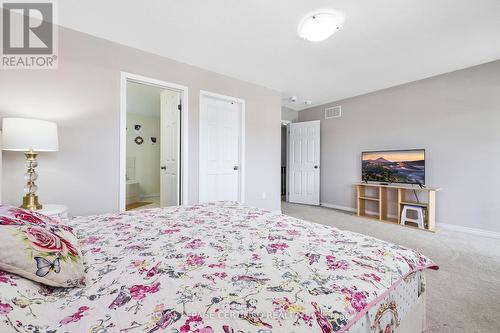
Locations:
{"points": [[222, 148], [284, 159], [153, 143]]}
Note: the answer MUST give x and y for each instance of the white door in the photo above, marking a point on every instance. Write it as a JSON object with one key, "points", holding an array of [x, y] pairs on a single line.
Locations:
{"points": [[303, 162], [169, 149], [220, 135]]}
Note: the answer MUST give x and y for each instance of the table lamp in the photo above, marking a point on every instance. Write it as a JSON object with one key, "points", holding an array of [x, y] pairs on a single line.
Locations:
{"points": [[30, 136]]}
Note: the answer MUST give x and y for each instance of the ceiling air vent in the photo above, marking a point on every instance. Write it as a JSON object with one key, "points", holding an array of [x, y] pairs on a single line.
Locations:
{"points": [[333, 112]]}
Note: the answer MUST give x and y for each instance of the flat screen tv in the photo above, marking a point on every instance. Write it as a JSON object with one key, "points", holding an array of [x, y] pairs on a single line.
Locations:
{"points": [[394, 166]]}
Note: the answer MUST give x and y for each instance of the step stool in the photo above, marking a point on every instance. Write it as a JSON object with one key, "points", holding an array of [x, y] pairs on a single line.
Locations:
{"points": [[420, 215]]}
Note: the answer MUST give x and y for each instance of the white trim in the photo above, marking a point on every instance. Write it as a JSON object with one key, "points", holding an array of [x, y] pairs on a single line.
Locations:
{"points": [[285, 122], [124, 77], [338, 207], [145, 196], [204, 93], [468, 230], [287, 176], [444, 226]]}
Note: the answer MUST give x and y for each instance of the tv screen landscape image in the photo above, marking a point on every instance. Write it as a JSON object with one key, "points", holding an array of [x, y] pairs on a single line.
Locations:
{"points": [[394, 166]]}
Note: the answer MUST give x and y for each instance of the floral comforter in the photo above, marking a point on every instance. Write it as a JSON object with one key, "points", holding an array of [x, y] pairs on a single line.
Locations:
{"points": [[220, 267]]}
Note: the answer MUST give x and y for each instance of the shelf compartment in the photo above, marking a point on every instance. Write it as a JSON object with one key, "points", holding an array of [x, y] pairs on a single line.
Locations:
{"points": [[370, 198]]}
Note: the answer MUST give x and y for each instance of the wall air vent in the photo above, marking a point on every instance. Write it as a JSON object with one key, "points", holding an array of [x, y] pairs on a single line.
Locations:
{"points": [[333, 112]]}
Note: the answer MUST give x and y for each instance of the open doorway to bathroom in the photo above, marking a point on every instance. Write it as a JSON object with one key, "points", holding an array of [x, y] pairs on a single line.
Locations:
{"points": [[153, 144], [284, 159]]}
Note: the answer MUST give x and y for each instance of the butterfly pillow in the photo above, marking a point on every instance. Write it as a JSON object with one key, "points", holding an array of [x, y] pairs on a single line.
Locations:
{"points": [[42, 252]]}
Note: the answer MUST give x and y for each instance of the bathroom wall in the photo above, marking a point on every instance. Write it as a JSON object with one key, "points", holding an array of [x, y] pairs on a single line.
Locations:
{"points": [[147, 155]]}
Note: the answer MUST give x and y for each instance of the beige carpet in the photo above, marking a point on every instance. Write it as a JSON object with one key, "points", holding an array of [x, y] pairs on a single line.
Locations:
{"points": [[463, 295]]}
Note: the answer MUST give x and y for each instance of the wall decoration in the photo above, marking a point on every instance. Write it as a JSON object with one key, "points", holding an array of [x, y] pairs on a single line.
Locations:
{"points": [[139, 140], [153, 140], [137, 128]]}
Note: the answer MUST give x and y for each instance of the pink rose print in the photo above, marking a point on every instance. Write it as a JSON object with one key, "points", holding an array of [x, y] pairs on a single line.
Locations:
{"points": [[75, 316], [195, 260], [42, 240], [275, 247], [336, 264], [255, 257], [293, 232], [68, 229], [358, 301], [8, 221], [26, 217], [370, 277], [170, 231], [140, 291], [4, 278], [5, 308], [90, 240], [153, 271], [194, 244], [195, 324], [356, 298], [69, 247]]}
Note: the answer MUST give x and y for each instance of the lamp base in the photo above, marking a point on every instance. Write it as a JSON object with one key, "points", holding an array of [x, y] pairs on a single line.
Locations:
{"points": [[30, 202]]}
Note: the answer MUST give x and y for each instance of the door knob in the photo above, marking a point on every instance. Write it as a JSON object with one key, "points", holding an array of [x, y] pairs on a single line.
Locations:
{"points": [[163, 167], [235, 167], [315, 167]]}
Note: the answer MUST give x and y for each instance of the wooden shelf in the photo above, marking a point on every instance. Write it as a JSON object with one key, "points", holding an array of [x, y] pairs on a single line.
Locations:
{"points": [[370, 198], [402, 186], [376, 197], [411, 203]]}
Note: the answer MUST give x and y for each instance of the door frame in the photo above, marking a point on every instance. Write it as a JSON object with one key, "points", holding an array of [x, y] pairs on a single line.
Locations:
{"points": [[287, 178], [241, 103], [184, 151]]}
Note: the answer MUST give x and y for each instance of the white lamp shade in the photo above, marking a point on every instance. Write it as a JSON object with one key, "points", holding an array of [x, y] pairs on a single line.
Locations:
{"points": [[20, 134]]}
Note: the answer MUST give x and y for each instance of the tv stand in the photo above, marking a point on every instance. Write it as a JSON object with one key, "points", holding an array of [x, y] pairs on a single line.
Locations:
{"points": [[383, 201]]}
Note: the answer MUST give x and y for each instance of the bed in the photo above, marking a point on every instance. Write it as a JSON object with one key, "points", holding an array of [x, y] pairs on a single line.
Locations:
{"points": [[224, 267]]}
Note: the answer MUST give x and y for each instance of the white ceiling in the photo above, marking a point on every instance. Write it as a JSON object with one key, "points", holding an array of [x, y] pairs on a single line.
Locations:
{"points": [[382, 43]]}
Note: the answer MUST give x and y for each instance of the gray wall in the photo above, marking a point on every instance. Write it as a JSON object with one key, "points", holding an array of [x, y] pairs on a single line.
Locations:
{"points": [[83, 97], [289, 114], [455, 117]]}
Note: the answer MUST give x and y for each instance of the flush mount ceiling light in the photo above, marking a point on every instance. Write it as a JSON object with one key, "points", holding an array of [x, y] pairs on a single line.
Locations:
{"points": [[320, 25]]}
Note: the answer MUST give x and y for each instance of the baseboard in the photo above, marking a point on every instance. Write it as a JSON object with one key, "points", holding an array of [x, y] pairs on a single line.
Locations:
{"points": [[145, 196], [445, 226], [468, 230], [338, 207]]}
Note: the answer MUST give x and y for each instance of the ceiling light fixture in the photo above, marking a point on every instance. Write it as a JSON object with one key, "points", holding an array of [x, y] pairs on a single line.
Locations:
{"points": [[320, 25]]}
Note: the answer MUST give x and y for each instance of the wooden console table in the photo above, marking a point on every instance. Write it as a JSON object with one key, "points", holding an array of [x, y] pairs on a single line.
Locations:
{"points": [[376, 195]]}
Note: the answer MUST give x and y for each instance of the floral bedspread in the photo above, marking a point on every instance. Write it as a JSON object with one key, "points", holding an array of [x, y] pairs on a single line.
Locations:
{"points": [[220, 267]]}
